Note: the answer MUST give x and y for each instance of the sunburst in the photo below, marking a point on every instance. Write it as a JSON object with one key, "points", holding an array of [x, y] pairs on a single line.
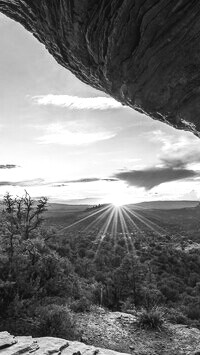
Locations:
{"points": [[117, 220]]}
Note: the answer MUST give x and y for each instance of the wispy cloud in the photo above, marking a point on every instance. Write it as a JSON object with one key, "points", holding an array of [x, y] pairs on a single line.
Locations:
{"points": [[8, 166], [25, 183], [83, 180], [63, 134], [78, 103], [177, 151]]}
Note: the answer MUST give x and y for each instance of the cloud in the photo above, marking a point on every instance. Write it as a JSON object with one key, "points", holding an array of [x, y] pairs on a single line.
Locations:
{"points": [[63, 134], [177, 151], [180, 161], [6, 183], [78, 201], [78, 103], [83, 180], [8, 166], [154, 176], [25, 183], [86, 180], [175, 162]]}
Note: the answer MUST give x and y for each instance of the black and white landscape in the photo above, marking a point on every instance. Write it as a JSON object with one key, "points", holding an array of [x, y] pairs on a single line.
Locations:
{"points": [[99, 203]]}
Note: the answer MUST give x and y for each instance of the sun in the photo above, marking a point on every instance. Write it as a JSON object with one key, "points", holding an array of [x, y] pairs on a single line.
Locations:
{"points": [[119, 197], [118, 200], [117, 203]]}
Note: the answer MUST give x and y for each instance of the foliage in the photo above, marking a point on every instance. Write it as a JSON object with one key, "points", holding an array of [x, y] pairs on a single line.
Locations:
{"points": [[81, 305], [55, 320], [151, 319], [176, 316], [46, 275]]}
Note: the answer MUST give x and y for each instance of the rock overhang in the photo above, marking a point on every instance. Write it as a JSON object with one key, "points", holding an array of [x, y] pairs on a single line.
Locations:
{"points": [[144, 53]]}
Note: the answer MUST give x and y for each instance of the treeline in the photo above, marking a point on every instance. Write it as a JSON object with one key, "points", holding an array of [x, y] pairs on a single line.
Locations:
{"points": [[47, 276]]}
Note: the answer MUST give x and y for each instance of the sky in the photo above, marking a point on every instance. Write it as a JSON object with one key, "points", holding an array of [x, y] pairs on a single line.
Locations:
{"points": [[65, 140]]}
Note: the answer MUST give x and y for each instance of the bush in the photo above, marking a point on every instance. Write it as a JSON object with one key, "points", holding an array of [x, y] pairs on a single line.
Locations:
{"points": [[128, 306], [175, 316], [151, 319], [57, 321], [81, 305], [193, 312]]}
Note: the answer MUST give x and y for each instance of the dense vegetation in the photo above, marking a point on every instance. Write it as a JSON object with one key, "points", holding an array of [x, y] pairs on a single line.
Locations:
{"points": [[46, 275]]}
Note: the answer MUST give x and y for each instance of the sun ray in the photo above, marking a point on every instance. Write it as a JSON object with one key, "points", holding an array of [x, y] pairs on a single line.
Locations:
{"points": [[82, 219], [135, 227], [146, 222], [103, 231], [123, 227], [114, 229], [98, 219], [116, 221], [127, 229], [152, 223]]}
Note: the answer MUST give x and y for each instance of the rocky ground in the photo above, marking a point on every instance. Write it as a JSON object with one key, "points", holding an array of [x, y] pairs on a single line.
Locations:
{"points": [[119, 331], [108, 333]]}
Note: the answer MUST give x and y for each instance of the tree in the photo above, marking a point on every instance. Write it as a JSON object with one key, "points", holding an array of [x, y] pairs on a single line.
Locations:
{"points": [[128, 278], [21, 217], [30, 269]]}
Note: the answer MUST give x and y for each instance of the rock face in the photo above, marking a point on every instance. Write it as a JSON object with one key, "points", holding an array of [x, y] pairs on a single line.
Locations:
{"points": [[144, 53], [49, 346]]}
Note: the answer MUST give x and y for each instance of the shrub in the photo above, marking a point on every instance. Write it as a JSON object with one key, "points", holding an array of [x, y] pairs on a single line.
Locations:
{"points": [[175, 316], [81, 305], [151, 319], [128, 306], [55, 320], [193, 312]]}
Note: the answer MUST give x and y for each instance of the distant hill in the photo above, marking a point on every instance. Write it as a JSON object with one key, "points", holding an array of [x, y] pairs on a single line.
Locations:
{"points": [[174, 216], [62, 207], [166, 205], [57, 208]]}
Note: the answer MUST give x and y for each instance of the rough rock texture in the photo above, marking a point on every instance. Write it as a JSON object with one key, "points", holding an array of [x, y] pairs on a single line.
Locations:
{"points": [[6, 340], [50, 346], [144, 53]]}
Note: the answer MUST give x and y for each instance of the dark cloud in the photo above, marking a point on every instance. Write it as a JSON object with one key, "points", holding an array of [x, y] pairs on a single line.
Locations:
{"points": [[149, 178], [8, 166], [173, 166]]}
